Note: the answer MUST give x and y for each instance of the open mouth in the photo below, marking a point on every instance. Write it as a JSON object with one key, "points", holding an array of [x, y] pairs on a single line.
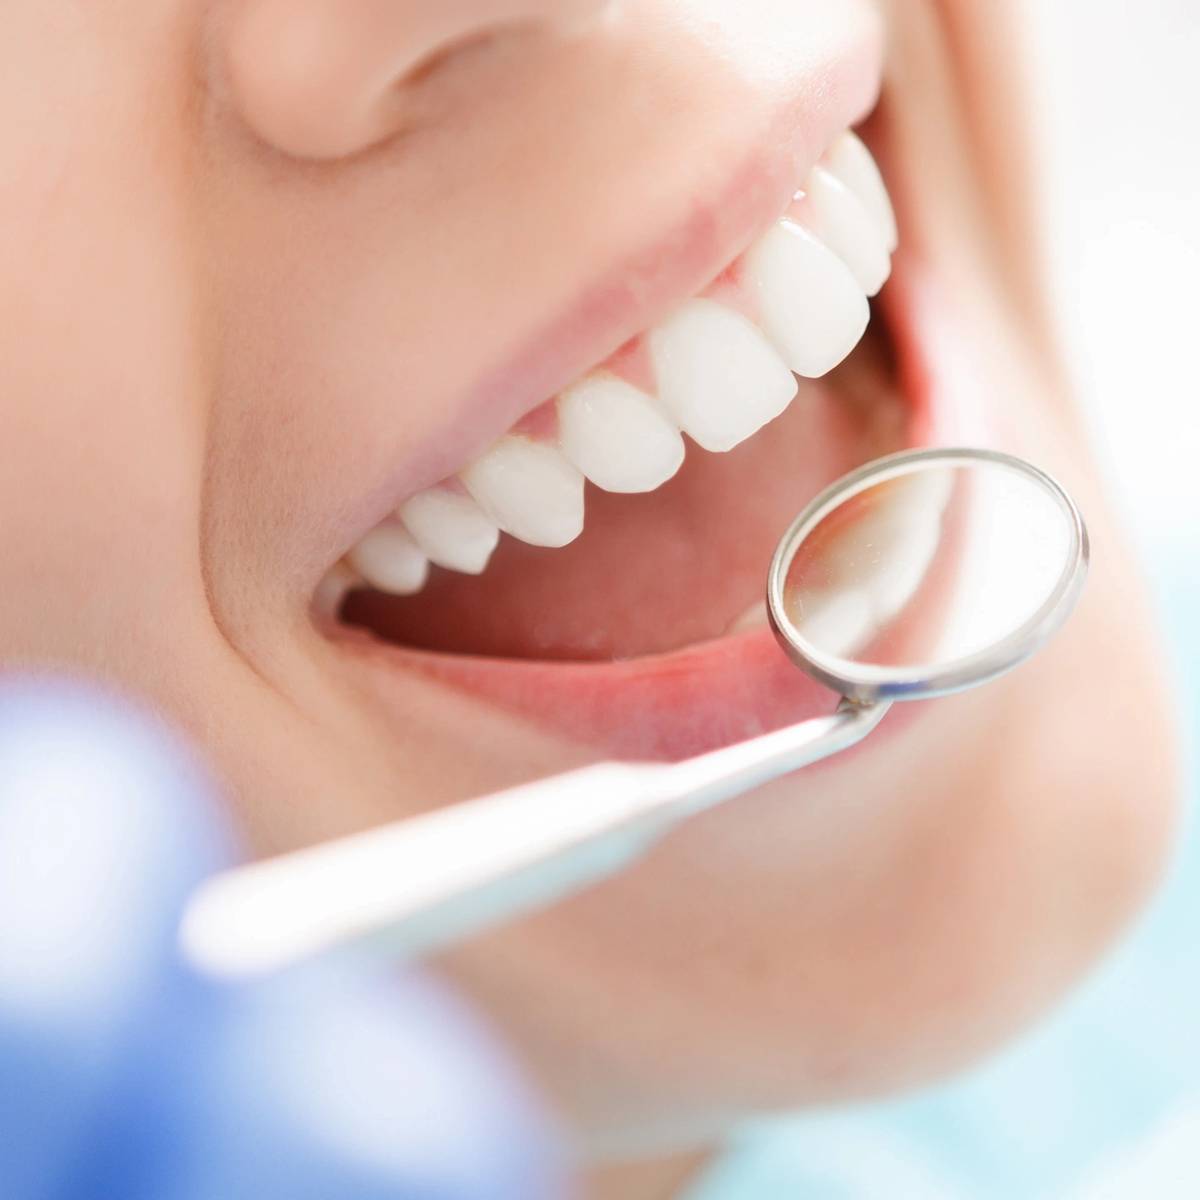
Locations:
{"points": [[598, 574]]}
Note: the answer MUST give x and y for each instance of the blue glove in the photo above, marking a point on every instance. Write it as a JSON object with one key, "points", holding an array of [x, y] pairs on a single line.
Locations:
{"points": [[124, 1076]]}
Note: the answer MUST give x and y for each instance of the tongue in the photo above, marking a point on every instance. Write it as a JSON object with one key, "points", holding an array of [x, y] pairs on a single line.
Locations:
{"points": [[655, 572]]}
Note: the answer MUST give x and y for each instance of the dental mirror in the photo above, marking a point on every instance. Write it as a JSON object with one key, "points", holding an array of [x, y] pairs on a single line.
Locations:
{"points": [[920, 574], [926, 572]]}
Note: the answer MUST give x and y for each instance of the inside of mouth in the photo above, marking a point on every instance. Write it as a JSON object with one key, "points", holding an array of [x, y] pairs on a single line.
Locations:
{"points": [[657, 571]]}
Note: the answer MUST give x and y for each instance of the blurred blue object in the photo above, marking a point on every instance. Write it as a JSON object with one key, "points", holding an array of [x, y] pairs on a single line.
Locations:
{"points": [[123, 1075]]}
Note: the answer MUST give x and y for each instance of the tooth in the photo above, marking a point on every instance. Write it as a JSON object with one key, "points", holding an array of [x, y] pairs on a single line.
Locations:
{"points": [[717, 375], [616, 435], [840, 219], [388, 559], [811, 306], [852, 163], [332, 590], [529, 489], [451, 529]]}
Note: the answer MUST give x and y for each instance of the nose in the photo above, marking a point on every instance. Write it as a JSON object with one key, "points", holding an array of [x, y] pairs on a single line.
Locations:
{"points": [[324, 79]]}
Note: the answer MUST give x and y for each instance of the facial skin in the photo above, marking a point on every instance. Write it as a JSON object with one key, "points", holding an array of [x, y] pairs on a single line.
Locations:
{"points": [[262, 258]]}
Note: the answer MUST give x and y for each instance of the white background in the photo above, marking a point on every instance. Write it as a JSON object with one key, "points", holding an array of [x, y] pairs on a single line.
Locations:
{"points": [[1121, 164]]}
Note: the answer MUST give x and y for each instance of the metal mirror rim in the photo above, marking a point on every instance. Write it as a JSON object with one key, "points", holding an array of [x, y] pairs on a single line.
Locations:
{"points": [[867, 683]]}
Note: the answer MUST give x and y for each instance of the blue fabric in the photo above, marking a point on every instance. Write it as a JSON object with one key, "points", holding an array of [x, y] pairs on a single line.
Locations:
{"points": [[1100, 1103], [124, 1075]]}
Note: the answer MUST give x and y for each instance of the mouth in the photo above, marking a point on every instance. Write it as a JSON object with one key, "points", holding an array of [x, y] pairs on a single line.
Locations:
{"points": [[599, 568]]}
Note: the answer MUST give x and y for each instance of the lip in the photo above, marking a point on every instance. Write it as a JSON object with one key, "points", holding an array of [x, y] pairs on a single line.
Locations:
{"points": [[646, 279], [674, 705], [661, 706]]}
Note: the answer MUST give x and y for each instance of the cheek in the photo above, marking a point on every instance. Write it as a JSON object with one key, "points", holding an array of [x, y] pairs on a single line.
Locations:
{"points": [[100, 355]]}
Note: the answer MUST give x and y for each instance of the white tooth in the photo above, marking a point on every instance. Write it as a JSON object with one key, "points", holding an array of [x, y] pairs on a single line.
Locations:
{"points": [[837, 621], [810, 305], [529, 489], [451, 529], [332, 590], [616, 435], [840, 219], [852, 163], [388, 559], [717, 375]]}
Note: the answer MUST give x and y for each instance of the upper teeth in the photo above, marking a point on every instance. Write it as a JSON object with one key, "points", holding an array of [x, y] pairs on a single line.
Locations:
{"points": [[716, 374]]}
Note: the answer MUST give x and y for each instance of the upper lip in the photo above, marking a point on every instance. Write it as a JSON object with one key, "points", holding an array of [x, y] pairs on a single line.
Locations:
{"points": [[646, 280]]}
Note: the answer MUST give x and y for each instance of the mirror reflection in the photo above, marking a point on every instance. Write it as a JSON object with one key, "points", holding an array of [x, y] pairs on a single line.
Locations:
{"points": [[929, 567]]}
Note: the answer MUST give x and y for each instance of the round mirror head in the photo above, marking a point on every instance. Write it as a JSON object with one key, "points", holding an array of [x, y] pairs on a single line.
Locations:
{"points": [[926, 572]]}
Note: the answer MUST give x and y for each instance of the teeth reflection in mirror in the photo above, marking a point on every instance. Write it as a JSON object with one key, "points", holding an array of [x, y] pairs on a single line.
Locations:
{"points": [[810, 305], [929, 489], [529, 490], [840, 219], [837, 621], [852, 163], [884, 555], [717, 375], [450, 529], [617, 436], [912, 546], [388, 559]]}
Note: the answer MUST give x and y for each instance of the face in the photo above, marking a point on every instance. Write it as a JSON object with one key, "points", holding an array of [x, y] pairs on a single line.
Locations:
{"points": [[303, 300]]}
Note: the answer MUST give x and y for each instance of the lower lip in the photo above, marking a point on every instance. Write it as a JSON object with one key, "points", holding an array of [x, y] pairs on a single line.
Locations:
{"points": [[675, 705]]}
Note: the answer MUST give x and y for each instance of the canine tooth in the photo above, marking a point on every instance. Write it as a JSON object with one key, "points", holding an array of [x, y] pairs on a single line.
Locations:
{"points": [[451, 529], [388, 559], [717, 375], [811, 306], [853, 164], [529, 489], [843, 222], [616, 435]]}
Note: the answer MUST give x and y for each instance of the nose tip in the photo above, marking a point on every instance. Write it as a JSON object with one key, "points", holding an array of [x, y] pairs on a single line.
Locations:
{"points": [[324, 79]]}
